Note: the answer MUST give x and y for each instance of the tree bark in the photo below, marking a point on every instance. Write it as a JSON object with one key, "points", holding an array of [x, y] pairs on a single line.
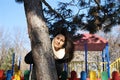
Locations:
{"points": [[40, 41]]}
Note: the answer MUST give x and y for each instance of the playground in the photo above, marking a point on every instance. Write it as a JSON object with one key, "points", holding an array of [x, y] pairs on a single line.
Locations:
{"points": [[92, 60], [83, 66]]}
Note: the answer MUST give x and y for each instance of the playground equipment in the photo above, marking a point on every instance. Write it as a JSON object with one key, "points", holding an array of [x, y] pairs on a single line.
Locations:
{"points": [[104, 75], [14, 73], [93, 75], [115, 69], [9, 75], [73, 76], [76, 66], [83, 75], [115, 75], [92, 42], [63, 75], [2, 76], [17, 73], [115, 65], [26, 74]]}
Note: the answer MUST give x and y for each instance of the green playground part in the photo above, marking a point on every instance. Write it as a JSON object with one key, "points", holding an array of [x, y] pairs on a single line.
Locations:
{"points": [[26, 74], [104, 75]]}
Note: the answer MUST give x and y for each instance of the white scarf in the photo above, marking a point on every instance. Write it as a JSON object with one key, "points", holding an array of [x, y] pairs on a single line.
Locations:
{"points": [[58, 54]]}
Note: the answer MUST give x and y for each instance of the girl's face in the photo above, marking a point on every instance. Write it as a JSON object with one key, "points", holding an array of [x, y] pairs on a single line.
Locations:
{"points": [[59, 41]]}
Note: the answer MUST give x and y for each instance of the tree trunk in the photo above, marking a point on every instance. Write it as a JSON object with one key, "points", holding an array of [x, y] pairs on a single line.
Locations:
{"points": [[40, 41]]}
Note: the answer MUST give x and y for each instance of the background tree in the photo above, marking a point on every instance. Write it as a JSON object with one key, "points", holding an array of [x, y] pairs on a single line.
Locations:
{"points": [[5, 51], [113, 38], [12, 44], [90, 15], [113, 42], [99, 14], [6, 60]]}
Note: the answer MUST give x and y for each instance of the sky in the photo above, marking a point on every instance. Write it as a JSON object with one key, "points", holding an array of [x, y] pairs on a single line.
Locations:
{"points": [[13, 21], [12, 15]]}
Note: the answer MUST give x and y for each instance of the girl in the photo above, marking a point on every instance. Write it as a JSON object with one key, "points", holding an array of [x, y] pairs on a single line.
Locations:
{"points": [[63, 49]]}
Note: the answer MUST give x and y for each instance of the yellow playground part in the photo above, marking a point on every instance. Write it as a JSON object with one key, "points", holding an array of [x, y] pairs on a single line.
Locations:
{"points": [[99, 74], [17, 75], [93, 75], [115, 66]]}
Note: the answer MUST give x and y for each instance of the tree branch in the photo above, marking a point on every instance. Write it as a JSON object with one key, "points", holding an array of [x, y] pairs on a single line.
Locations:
{"points": [[49, 7], [97, 2]]}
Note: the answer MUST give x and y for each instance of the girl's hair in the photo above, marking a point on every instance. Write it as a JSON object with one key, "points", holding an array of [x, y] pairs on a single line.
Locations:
{"points": [[64, 32], [68, 45], [69, 50]]}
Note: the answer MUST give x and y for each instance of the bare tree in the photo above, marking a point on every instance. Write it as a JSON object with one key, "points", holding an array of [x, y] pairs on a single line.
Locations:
{"points": [[5, 50], [113, 41], [12, 43], [114, 44], [21, 46], [4, 45]]}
